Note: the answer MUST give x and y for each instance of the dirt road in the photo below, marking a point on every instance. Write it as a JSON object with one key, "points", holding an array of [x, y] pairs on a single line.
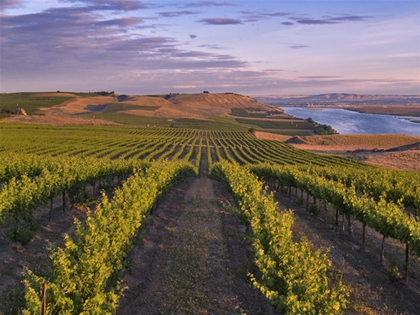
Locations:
{"points": [[192, 259]]}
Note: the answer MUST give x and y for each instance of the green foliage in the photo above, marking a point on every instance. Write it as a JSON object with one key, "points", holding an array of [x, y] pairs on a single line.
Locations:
{"points": [[358, 193], [206, 125], [324, 130], [115, 107], [127, 119], [272, 124], [30, 102], [239, 112], [292, 276], [242, 112], [23, 235], [393, 272], [39, 162], [21, 194], [85, 270], [129, 142]]}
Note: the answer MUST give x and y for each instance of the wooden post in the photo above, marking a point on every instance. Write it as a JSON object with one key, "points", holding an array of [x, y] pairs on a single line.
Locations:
{"points": [[44, 299], [336, 219], [407, 253], [349, 225]]}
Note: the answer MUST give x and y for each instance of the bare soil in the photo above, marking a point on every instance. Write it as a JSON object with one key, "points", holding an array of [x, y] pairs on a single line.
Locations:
{"points": [[391, 151], [358, 141], [371, 291], [270, 136], [192, 259]]}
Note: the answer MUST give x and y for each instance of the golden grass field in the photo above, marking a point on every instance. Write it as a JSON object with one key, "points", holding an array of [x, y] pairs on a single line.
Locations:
{"points": [[388, 150]]}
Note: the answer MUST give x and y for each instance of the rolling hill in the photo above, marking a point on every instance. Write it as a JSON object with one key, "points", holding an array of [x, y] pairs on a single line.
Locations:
{"points": [[171, 106]]}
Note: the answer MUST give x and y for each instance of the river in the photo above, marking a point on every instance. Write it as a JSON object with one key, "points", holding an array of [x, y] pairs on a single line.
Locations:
{"points": [[349, 122]]}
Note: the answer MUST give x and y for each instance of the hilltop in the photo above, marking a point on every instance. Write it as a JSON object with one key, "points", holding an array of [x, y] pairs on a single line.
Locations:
{"points": [[199, 106]]}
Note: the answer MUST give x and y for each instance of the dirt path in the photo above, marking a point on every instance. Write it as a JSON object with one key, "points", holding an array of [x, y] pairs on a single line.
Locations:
{"points": [[192, 259]]}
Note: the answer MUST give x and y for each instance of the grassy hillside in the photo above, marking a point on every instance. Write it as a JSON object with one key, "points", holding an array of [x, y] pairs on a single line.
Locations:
{"points": [[221, 111], [32, 102]]}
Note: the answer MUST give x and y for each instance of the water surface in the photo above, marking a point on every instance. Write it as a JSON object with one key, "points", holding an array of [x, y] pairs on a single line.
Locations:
{"points": [[349, 122]]}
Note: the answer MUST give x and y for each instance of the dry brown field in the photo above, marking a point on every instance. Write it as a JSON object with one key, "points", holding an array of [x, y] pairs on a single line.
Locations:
{"points": [[393, 151]]}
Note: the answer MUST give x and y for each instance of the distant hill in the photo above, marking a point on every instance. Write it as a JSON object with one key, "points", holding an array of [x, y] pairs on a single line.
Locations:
{"points": [[199, 105], [340, 99], [93, 106]]}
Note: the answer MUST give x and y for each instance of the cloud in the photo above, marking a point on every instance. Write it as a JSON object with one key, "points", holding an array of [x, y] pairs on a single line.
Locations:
{"points": [[350, 18], [210, 4], [61, 24], [298, 46], [122, 22], [107, 44], [181, 87], [61, 40], [319, 77], [177, 13], [115, 5], [273, 70], [217, 47], [334, 20], [254, 16], [250, 16], [278, 14], [315, 22], [10, 4], [220, 21]]}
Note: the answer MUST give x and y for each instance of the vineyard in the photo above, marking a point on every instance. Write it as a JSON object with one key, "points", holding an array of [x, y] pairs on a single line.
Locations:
{"points": [[121, 174]]}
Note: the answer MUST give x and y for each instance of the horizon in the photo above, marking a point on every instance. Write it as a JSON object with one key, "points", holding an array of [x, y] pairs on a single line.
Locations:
{"points": [[225, 92], [256, 48]]}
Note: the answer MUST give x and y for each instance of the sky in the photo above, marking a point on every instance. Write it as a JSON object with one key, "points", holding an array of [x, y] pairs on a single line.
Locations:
{"points": [[253, 47]]}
